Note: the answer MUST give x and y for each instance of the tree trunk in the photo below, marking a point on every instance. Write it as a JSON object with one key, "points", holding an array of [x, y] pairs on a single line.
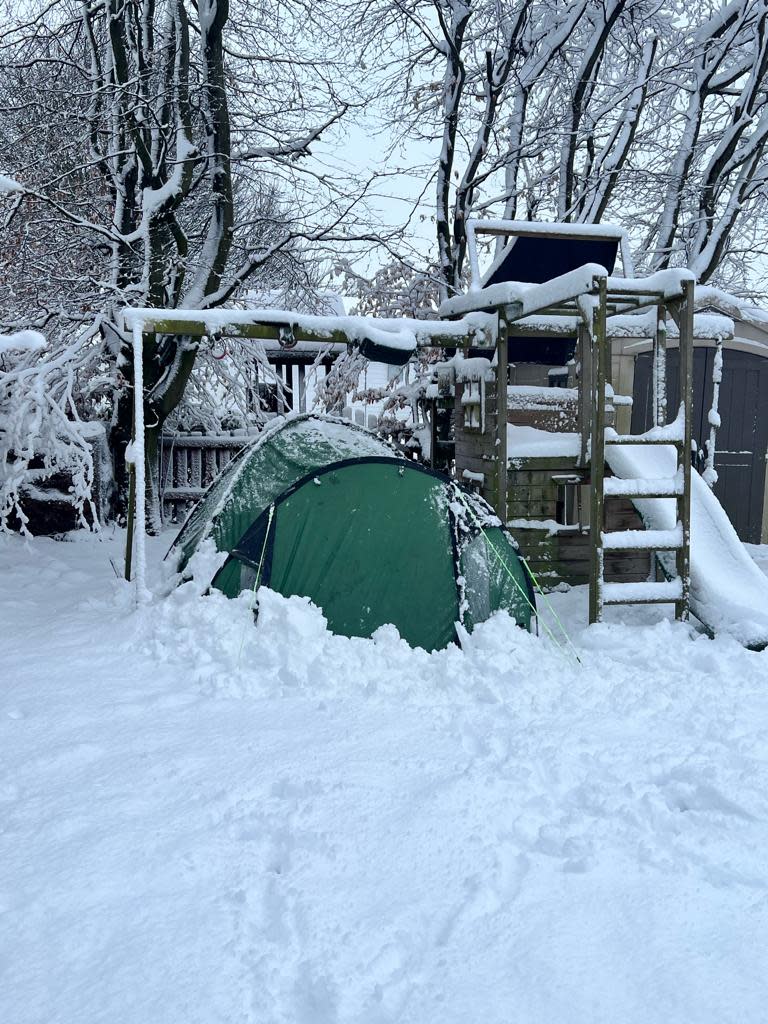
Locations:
{"points": [[120, 435]]}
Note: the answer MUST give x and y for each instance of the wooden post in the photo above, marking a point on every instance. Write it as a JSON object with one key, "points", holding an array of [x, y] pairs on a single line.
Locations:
{"points": [[584, 355], [659, 376], [686, 403], [502, 374], [138, 499], [608, 360], [597, 452], [129, 522]]}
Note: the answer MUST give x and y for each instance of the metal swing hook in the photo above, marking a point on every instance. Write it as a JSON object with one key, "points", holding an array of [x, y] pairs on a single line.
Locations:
{"points": [[285, 336], [214, 339]]}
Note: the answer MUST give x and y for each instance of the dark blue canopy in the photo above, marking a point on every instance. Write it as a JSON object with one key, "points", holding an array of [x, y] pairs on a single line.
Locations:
{"points": [[539, 258]]}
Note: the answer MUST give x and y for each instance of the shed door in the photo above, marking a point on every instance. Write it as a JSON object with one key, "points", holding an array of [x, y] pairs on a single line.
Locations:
{"points": [[742, 440]]}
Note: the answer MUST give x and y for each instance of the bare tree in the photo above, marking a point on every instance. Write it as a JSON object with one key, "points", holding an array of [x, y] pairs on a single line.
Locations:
{"points": [[589, 109], [151, 139], [719, 168]]}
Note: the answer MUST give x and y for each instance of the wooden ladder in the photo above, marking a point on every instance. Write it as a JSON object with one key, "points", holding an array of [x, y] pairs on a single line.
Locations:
{"points": [[676, 588]]}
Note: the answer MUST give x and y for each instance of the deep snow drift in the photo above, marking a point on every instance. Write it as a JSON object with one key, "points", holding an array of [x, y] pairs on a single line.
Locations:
{"points": [[205, 821]]}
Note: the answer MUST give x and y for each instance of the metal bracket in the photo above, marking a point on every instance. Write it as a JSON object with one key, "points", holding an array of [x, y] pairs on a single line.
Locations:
{"points": [[285, 336]]}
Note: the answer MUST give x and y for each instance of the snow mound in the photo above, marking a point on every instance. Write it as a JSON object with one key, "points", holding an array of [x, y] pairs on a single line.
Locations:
{"points": [[22, 341], [206, 820]]}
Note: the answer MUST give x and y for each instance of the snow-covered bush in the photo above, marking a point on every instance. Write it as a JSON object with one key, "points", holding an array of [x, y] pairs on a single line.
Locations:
{"points": [[41, 432]]}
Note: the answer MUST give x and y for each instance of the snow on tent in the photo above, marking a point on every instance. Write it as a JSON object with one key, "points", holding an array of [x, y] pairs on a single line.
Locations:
{"points": [[320, 508]]}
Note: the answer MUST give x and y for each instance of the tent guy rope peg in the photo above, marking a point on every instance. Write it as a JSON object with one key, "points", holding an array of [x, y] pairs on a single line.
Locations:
{"points": [[257, 580]]}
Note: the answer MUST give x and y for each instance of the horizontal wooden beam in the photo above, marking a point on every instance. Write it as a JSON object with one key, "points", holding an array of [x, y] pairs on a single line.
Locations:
{"points": [[257, 331], [476, 337]]}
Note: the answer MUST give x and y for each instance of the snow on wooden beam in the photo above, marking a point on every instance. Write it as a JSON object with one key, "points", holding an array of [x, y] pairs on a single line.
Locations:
{"points": [[385, 340], [521, 299], [640, 326], [551, 229]]}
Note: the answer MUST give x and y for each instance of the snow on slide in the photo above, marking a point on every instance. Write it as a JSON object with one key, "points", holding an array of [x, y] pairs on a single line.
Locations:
{"points": [[729, 593]]}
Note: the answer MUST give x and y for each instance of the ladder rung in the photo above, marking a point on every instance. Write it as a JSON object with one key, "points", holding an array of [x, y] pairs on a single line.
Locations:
{"points": [[620, 487], [663, 592], [644, 540], [640, 440]]}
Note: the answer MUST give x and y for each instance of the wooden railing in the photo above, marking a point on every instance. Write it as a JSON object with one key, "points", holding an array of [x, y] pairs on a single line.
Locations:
{"points": [[189, 463]]}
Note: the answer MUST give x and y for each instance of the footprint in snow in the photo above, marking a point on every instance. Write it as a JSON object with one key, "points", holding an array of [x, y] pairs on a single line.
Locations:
{"points": [[70, 756], [486, 895], [389, 979]]}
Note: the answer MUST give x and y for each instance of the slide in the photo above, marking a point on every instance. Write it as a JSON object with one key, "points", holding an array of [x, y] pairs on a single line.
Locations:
{"points": [[729, 593]]}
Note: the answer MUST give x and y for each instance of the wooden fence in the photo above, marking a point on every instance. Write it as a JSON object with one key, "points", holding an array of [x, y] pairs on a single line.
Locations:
{"points": [[189, 463]]}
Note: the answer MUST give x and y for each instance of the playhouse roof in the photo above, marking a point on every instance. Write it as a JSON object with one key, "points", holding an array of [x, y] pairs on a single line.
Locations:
{"points": [[536, 258], [537, 251]]}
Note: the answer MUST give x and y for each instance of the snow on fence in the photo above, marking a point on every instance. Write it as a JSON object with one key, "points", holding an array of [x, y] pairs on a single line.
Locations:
{"points": [[189, 463]]}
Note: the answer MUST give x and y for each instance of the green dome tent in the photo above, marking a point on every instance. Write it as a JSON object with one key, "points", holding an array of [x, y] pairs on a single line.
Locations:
{"points": [[324, 509]]}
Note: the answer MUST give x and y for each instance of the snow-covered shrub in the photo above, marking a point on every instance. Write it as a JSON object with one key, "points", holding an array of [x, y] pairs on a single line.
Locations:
{"points": [[41, 430]]}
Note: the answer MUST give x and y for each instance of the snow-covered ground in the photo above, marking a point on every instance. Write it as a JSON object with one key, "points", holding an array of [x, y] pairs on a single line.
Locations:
{"points": [[204, 821]]}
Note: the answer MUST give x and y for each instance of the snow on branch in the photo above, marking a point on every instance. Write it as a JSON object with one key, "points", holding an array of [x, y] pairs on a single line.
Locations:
{"points": [[291, 149], [41, 432], [20, 341], [9, 185]]}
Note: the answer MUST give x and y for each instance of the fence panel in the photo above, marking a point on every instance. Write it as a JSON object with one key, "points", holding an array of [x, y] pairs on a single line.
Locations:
{"points": [[189, 463]]}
